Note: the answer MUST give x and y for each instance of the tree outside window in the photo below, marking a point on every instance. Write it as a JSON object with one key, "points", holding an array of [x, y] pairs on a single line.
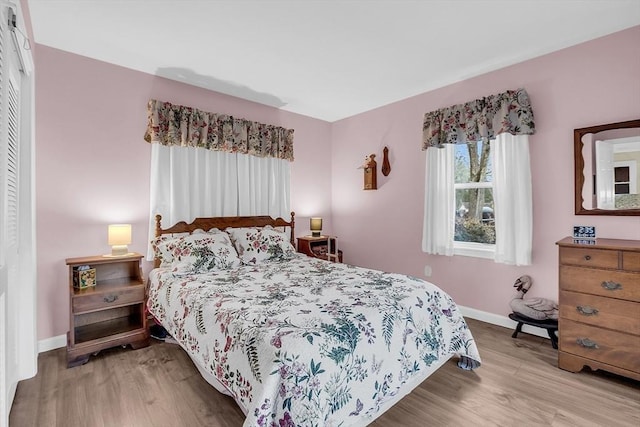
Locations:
{"points": [[475, 222]]}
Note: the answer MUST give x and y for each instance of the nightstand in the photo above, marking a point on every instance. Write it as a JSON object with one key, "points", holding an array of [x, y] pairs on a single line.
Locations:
{"points": [[323, 247], [109, 314]]}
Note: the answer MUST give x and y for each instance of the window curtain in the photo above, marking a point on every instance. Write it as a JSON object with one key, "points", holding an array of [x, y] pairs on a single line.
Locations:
{"points": [[189, 178], [484, 118], [506, 119], [170, 124], [439, 204], [263, 186], [512, 199]]}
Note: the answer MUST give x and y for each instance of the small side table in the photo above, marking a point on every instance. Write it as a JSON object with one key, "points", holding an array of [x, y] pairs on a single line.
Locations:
{"points": [[323, 247], [109, 314], [550, 325]]}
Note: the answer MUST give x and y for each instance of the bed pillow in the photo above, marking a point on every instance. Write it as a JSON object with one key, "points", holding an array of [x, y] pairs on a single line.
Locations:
{"points": [[159, 247], [257, 245], [197, 253]]}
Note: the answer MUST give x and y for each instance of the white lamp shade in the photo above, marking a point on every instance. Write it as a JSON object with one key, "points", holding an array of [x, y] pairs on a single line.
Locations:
{"points": [[119, 234], [315, 225]]}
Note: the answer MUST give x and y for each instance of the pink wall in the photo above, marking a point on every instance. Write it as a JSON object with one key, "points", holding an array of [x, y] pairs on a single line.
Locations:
{"points": [[92, 165], [589, 84]]}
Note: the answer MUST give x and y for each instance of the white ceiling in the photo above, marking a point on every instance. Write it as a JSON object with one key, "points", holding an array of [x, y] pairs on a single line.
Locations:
{"points": [[327, 59]]}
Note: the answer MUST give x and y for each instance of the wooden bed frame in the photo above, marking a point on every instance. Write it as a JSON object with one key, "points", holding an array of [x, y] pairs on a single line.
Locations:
{"points": [[222, 222]]}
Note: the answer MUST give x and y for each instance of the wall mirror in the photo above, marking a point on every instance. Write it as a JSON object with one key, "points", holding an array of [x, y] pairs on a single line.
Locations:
{"points": [[607, 169]]}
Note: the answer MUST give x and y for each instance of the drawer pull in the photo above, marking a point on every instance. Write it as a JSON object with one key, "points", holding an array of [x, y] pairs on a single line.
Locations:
{"points": [[586, 343], [612, 286], [586, 310], [587, 257], [110, 298]]}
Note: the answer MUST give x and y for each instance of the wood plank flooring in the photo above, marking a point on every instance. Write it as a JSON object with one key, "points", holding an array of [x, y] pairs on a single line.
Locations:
{"points": [[518, 385]]}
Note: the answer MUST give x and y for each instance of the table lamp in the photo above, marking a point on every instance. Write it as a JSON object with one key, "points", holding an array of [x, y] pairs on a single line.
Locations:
{"points": [[315, 226]]}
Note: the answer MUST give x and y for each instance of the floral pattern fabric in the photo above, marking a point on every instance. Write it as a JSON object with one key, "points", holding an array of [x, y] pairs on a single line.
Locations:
{"points": [[481, 119], [306, 342], [170, 124], [196, 253], [256, 245]]}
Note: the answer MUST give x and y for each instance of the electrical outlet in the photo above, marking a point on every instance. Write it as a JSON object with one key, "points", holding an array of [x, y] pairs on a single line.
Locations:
{"points": [[427, 270]]}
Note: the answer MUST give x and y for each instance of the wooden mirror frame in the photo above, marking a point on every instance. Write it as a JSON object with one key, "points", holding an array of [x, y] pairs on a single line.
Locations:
{"points": [[579, 168]]}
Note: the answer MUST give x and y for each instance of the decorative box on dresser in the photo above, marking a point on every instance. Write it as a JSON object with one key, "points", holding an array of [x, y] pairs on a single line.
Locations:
{"points": [[599, 320], [109, 314]]}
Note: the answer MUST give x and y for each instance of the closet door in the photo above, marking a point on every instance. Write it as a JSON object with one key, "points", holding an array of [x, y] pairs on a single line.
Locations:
{"points": [[4, 267], [15, 218]]}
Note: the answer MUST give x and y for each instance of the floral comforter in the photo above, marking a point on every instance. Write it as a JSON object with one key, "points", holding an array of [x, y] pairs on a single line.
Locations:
{"points": [[306, 342]]}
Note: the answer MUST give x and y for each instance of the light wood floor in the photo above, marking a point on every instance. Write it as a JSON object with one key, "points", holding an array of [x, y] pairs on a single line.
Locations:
{"points": [[518, 385]]}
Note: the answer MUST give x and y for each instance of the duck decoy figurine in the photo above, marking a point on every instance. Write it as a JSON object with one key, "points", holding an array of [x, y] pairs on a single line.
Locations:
{"points": [[533, 308]]}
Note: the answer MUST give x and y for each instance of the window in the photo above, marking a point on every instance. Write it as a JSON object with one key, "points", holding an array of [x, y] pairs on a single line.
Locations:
{"points": [[483, 195], [217, 184], [474, 209], [625, 177], [478, 200], [205, 164], [622, 180]]}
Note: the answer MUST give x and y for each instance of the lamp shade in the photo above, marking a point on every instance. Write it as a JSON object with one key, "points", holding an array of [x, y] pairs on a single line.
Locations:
{"points": [[119, 234], [119, 238], [315, 225]]}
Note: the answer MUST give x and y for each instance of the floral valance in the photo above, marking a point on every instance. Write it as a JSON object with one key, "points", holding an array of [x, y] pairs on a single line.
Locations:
{"points": [[483, 118], [170, 124]]}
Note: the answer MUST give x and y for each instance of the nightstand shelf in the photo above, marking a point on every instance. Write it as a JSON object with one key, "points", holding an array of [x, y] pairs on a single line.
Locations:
{"points": [[109, 314], [322, 247], [107, 329]]}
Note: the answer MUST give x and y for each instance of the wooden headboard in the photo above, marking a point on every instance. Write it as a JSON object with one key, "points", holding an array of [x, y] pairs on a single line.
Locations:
{"points": [[222, 222]]}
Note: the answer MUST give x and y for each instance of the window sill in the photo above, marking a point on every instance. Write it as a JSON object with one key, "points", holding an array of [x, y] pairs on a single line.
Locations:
{"points": [[476, 250]]}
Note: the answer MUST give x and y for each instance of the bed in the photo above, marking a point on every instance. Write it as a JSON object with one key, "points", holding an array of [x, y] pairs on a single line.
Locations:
{"points": [[295, 340]]}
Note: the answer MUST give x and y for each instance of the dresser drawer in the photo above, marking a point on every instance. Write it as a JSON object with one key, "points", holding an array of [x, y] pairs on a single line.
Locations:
{"points": [[614, 284], [599, 311], [631, 261], [599, 258], [115, 298], [602, 345]]}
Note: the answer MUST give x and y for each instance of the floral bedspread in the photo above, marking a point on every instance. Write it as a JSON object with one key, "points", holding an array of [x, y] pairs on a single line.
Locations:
{"points": [[306, 342]]}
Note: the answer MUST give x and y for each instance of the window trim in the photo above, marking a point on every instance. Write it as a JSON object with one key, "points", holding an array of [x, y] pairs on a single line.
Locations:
{"points": [[474, 249], [471, 185]]}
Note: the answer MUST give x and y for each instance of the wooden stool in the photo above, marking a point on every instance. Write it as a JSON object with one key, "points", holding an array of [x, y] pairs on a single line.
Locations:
{"points": [[550, 325]]}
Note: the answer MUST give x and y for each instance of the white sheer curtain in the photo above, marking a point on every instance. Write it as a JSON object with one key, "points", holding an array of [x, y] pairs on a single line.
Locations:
{"points": [[263, 185], [439, 202], [190, 182], [512, 199]]}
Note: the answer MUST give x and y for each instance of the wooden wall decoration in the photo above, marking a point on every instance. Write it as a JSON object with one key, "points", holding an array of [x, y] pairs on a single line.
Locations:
{"points": [[370, 170], [386, 166]]}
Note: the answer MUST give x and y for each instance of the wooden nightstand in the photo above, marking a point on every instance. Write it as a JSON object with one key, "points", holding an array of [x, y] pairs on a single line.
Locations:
{"points": [[109, 314], [323, 247]]}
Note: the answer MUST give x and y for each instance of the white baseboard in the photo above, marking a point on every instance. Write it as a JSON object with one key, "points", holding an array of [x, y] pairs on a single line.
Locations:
{"points": [[496, 319], [484, 316], [52, 343]]}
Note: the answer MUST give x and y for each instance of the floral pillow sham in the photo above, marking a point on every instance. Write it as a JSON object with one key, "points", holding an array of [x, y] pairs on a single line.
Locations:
{"points": [[196, 253], [257, 245]]}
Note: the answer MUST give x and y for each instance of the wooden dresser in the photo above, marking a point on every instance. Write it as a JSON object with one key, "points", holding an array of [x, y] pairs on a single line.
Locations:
{"points": [[599, 321]]}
